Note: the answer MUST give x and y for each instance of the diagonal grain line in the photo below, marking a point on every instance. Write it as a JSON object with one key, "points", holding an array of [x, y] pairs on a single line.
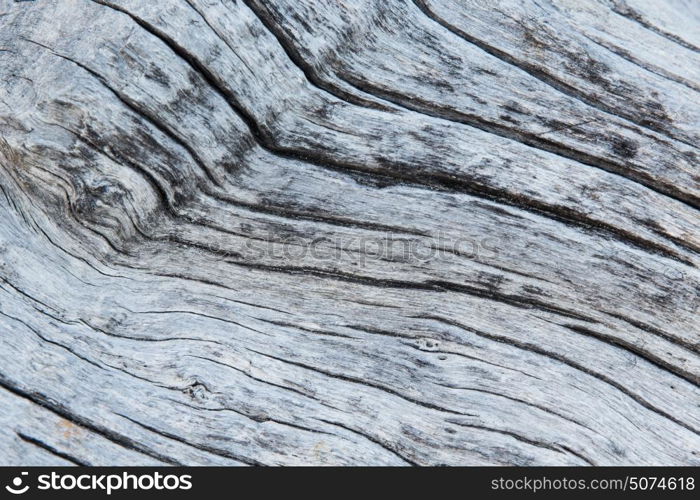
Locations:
{"points": [[52, 450], [257, 419], [561, 214], [521, 401], [527, 346], [276, 211], [512, 300], [208, 449], [147, 339], [441, 286], [313, 216], [202, 315], [630, 347], [355, 380], [627, 56], [139, 110], [694, 348], [386, 333], [383, 444], [627, 12], [398, 172], [542, 75], [266, 17], [252, 377], [536, 141], [58, 409], [474, 358], [429, 285], [516, 436], [196, 65], [262, 12], [53, 342], [531, 140], [577, 454], [219, 35], [309, 330], [247, 416]]}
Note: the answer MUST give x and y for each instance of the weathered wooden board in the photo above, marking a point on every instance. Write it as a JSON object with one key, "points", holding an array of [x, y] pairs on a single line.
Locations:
{"points": [[350, 232]]}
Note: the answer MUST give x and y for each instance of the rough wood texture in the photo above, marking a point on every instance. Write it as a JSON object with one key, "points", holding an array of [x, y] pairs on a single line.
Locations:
{"points": [[349, 232]]}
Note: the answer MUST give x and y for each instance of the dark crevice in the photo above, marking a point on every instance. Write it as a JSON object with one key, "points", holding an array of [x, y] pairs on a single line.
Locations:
{"points": [[208, 449], [77, 257], [637, 351], [512, 300], [145, 339], [247, 416], [477, 359], [577, 454], [263, 13], [444, 286], [208, 316], [541, 74], [29, 297], [429, 285], [299, 327], [521, 401], [276, 211], [255, 418], [298, 427], [248, 375], [627, 12], [692, 347], [60, 454], [537, 141], [324, 218], [355, 380], [60, 410], [398, 172], [386, 446], [514, 435], [627, 56], [530, 347], [139, 111], [53, 342], [489, 264], [218, 35]]}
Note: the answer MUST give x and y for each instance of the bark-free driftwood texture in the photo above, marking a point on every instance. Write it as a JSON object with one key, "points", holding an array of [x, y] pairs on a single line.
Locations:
{"points": [[151, 151]]}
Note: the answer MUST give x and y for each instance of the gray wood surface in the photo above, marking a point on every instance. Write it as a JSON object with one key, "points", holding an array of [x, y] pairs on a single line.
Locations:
{"points": [[387, 232]]}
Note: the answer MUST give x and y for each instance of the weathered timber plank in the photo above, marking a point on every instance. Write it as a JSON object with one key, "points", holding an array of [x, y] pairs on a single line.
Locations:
{"points": [[372, 232]]}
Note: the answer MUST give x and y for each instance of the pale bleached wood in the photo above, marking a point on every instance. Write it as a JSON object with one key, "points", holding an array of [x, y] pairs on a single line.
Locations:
{"points": [[153, 154]]}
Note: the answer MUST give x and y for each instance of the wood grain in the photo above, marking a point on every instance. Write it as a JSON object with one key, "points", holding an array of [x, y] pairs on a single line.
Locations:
{"points": [[384, 232]]}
